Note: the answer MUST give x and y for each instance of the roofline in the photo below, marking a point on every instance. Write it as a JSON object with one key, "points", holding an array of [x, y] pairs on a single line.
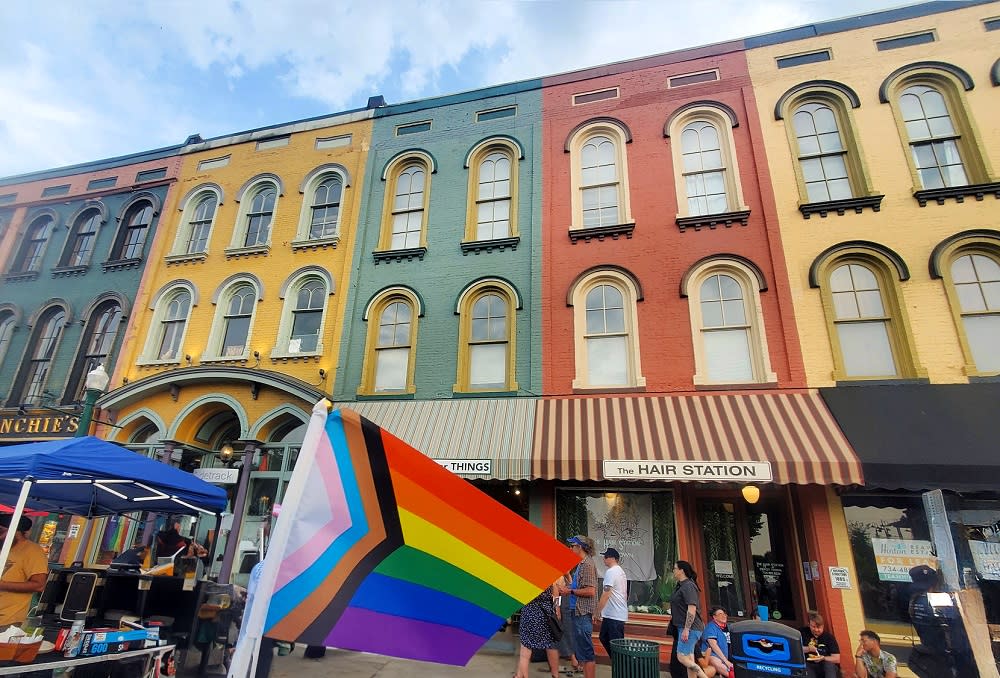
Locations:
{"points": [[92, 166], [858, 21]]}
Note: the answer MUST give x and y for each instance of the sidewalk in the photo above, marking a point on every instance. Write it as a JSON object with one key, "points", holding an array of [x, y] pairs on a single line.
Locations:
{"points": [[497, 659]]}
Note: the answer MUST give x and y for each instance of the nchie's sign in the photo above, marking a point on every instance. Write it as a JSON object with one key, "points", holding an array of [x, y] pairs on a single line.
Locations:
{"points": [[37, 425]]}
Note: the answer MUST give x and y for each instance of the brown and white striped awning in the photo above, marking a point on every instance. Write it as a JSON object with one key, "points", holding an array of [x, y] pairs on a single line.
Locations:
{"points": [[793, 431]]}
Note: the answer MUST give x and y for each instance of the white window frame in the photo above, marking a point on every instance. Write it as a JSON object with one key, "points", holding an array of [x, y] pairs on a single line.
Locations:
{"points": [[750, 283], [289, 293], [188, 205], [630, 297], [154, 336], [245, 197], [308, 188], [215, 350], [619, 136]]}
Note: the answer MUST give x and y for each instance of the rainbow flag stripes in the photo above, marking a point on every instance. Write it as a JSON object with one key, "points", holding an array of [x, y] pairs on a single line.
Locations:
{"points": [[391, 553]]}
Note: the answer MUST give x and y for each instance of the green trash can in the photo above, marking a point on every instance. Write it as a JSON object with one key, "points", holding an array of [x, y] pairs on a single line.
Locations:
{"points": [[632, 658]]}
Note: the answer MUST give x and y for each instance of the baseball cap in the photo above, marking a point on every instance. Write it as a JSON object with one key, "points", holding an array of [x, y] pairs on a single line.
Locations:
{"points": [[923, 576], [611, 553]]}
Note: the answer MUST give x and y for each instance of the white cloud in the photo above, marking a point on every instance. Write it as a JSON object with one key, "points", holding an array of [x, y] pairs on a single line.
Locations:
{"points": [[124, 77]]}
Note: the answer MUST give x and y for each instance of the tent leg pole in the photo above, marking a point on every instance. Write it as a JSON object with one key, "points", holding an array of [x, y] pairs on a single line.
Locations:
{"points": [[15, 518]]}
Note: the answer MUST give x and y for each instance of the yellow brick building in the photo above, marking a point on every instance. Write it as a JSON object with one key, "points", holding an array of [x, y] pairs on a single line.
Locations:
{"points": [[238, 320], [883, 148]]}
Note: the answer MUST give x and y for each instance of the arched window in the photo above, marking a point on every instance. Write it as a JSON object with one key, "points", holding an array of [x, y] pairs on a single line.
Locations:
{"points": [[607, 346], [45, 340], [325, 209], [729, 339], [493, 197], [830, 166], [707, 176], [7, 323], [976, 277], [599, 175], [408, 208], [236, 318], [132, 241], [82, 238], [29, 257], [862, 322], [391, 344], [487, 335], [304, 312], [307, 316], [200, 225], [822, 153], [198, 210], [257, 210], [934, 122], [166, 333], [100, 334], [932, 137]]}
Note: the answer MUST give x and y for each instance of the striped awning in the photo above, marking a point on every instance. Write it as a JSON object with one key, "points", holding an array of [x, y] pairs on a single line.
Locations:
{"points": [[792, 431], [462, 430]]}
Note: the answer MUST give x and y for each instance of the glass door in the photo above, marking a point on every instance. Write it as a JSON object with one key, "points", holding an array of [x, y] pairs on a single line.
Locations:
{"points": [[768, 552], [725, 580]]}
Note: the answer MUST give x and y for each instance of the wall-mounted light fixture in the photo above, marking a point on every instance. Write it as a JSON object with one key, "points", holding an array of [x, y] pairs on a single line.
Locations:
{"points": [[226, 454], [751, 493]]}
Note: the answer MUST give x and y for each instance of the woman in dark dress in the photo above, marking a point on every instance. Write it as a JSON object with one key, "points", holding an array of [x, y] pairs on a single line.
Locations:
{"points": [[535, 634]]}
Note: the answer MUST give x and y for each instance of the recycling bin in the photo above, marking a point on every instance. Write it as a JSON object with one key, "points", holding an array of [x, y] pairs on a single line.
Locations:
{"points": [[760, 648], [633, 658]]}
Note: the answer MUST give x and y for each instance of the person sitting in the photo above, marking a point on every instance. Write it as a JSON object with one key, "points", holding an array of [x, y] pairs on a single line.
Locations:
{"points": [[169, 541], [821, 648], [715, 642], [871, 661]]}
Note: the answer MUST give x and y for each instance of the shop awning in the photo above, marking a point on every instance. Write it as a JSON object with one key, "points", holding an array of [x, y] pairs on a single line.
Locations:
{"points": [[462, 434], [922, 437], [709, 434]]}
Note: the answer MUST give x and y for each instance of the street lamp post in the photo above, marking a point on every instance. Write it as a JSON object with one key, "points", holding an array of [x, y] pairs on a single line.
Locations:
{"points": [[97, 382]]}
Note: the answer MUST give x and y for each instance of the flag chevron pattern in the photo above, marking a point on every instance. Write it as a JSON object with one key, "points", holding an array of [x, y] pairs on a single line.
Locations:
{"points": [[388, 552]]}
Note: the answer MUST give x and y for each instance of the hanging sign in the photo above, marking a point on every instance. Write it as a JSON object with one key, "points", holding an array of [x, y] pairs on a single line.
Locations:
{"points": [[218, 476], [721, 472]]}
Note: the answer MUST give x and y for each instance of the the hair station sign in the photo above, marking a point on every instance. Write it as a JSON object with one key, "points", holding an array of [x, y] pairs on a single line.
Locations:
{"points": [[37, 425], [721, 472]]}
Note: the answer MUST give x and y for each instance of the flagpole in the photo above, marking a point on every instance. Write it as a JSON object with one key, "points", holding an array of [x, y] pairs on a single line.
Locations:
{"points": [[244, 659]]}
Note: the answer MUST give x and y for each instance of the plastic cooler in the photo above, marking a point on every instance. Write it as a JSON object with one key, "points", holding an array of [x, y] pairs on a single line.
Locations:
{"points": [[759, 648]]}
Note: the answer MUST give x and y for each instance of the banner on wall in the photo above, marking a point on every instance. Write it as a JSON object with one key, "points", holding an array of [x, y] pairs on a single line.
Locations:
{"points": [[623, 520], [986, 556], [895, 557]]}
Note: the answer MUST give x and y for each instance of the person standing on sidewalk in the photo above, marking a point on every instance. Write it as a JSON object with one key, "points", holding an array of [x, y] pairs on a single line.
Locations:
{"points": [[583, 596], [685, 615], [612, 608], [24, 573]]}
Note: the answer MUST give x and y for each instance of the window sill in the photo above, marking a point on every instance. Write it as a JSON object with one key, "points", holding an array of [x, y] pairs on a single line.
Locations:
{"points": [[121, 264], [316, 243], [740, 386], [400, 395], [984, 379], [601, 232], [902, 381], [69, 271], [841, 206], [253, 251], [223, 359], [478, 246], [21, 276], [157, 363], [407, 254], [192, 258], [726, 219], [456, 393], [301, 356], [959, 193], [595, 390]]}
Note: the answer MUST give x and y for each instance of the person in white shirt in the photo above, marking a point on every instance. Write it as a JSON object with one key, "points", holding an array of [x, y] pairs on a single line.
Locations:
{"points": [[612, 608]]}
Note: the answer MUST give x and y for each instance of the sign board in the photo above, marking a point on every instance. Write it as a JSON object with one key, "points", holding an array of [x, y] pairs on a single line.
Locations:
{"points": [[840, 577], [218, 476], [37, 425], [468, 467], [986, 556], [723, 472], [895, 557]]}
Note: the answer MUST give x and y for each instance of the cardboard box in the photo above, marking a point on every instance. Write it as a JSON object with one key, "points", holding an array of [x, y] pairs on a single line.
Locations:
{"points": [[111, 641]]}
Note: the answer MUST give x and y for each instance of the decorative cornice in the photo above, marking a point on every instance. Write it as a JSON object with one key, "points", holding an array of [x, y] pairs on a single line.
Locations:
{"points": [[841, 206], [500, 244], [726, 219], [959, 193], [385, 256], [614, 232]]}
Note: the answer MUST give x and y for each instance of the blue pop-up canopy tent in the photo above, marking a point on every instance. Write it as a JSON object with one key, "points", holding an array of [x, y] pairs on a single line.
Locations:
{"points": [[92, 477]]}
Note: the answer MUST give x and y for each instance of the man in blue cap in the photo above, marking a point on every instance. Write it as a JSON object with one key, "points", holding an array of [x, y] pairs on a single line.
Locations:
{"points": [[583, 595]]}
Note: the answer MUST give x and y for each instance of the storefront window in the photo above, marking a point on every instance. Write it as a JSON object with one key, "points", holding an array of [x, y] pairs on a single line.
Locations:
{"points": [[889, 535], [978, 543], [640, 525]]}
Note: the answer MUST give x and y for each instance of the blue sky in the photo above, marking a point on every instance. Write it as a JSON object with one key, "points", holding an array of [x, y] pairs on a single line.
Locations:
{"points": [[82, 81]]}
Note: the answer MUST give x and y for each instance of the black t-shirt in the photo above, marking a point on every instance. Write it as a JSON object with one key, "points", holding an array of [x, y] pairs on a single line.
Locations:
{"points": [[826, 644], [685, 594], [168, 543]]}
